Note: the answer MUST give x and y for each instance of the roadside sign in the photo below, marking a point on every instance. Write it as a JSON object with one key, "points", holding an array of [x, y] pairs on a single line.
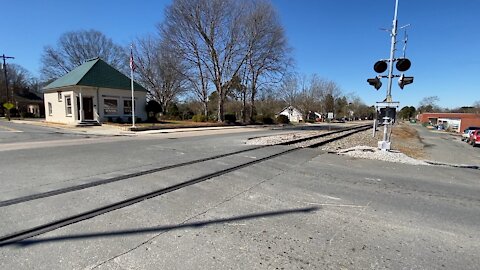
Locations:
{"points": [[330, 115], [393, 104], [8, 105]]}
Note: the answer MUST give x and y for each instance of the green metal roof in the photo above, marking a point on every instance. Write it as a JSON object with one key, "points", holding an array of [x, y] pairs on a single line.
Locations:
{"points": [[95, 73]]}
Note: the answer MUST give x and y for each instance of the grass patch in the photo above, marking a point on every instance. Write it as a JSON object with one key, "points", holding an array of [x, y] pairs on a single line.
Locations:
{"points": [[406, 139]]}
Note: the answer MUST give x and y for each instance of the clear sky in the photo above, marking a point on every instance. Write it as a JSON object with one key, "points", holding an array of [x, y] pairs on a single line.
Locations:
{"points": [[337, 39]]}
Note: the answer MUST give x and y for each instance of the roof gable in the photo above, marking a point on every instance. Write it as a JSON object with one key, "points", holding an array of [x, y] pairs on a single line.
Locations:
{"points": [[95, 73], [290, 108]]}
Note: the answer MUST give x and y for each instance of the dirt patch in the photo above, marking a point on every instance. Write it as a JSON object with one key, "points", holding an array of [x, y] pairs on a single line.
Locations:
{"points": [[406, 139]]}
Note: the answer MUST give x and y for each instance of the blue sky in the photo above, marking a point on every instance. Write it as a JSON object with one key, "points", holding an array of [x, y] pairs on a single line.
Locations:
{"points": [[337, 39]]}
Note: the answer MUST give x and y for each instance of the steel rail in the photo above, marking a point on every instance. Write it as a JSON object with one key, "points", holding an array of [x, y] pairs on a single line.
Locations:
{"points": [[44, 228], [59, 191]]}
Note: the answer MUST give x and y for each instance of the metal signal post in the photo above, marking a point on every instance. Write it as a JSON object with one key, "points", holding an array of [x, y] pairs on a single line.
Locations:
{"points": [[392, 54], [388, 107]]}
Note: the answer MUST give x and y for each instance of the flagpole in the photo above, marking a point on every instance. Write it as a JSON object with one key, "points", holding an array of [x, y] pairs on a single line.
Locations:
{"points": [[131, 84]]}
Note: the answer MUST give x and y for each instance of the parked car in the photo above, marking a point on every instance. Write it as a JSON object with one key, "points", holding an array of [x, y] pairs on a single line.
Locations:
{"points": [[475, 138], [466, 133]]}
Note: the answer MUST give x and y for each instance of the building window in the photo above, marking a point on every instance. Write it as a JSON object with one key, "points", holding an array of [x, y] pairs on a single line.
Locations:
{"points": [[59, 96], [110, 106], [49, 108], [127, 107], [68, 105]]}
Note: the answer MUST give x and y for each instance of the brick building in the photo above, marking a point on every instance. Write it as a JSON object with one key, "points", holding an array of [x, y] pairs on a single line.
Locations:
{"points": [[457, 121]]}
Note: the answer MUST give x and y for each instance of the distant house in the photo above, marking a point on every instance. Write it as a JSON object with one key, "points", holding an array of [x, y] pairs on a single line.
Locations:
{"points": [[28, 102], [94, 92], [293, 114]]}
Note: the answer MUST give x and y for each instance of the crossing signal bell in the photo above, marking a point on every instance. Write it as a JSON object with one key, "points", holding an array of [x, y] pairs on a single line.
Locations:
{"points": [[404, 80], [375, 82]]}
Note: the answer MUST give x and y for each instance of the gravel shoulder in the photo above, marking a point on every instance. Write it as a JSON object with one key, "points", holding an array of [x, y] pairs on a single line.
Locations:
{"points": [[407, 146]]}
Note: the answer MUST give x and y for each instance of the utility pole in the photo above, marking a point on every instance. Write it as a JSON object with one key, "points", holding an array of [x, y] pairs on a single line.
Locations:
{"points": [[7, 105], [5, 73]]}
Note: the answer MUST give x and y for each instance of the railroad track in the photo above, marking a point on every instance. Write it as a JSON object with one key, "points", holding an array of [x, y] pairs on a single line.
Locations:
{"points": [[50, 226]]}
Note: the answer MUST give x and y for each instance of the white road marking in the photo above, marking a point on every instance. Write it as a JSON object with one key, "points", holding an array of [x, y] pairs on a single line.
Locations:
{"points": [[330, 197], [337, 205], [373, 179]]}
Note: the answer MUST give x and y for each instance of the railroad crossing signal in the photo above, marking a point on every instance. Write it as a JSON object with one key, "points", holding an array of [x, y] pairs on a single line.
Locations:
{"points": [[375, 82], [403, 64], [380, 66], [404, 80]]}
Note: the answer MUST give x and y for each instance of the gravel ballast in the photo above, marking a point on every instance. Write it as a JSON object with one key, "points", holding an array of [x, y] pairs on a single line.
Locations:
{"points": [[377, 154], [359, 145]]}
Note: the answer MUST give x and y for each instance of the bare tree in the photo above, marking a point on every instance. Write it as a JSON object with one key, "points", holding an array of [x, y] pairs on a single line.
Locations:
{"points": [[314, 93], [476, 106], [208, 33], [19, 80], [159, 71], [73, 48], [267, 56], [289, 90], [429, 104]]}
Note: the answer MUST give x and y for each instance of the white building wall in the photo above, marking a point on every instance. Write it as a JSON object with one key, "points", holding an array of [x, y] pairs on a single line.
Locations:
{"points": [[98, 95], [295, 116], [59, 111]]}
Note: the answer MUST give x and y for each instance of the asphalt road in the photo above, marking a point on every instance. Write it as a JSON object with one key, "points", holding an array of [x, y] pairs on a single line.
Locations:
{"points": [[447, 147], [304, 210]]}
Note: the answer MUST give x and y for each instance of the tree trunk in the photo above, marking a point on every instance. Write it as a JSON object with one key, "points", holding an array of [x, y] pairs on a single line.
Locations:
{"points": [[220, 108], [221, 99], [205, 108], [252, 102], [244, 107]]}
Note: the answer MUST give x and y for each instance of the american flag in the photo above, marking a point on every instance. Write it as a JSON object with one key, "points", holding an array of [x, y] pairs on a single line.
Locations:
{"points": [[132, 63]]}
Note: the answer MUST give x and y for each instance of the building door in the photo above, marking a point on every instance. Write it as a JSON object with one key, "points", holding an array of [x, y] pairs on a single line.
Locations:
{"points": [[88, 108]]}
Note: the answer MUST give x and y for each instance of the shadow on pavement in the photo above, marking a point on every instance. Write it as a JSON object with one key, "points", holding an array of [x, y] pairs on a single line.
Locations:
{"points": [[158, 229]]}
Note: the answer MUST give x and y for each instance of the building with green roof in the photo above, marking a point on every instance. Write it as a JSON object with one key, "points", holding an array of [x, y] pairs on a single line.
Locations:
{"points": [[94, 92]]}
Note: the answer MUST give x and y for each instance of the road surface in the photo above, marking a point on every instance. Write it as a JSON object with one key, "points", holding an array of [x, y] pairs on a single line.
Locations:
{"points": [[304, 210]]}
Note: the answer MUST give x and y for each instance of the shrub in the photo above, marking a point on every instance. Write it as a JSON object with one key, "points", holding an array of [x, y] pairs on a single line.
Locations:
{"points": [[23, 114], [230, 118], [212, 117], [187, 115], [282, 119], [267, 120], [119, 120], [199, 118]]}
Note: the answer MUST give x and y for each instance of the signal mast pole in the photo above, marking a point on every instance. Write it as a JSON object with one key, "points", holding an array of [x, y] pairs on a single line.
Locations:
{"points": [[392, 54], [388, 107]]}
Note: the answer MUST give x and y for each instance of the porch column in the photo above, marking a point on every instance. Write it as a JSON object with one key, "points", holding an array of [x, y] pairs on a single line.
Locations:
{"points": [[81, 106]]}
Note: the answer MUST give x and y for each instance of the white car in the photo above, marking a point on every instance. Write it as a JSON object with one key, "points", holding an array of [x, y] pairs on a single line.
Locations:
{"points": [[467, 132]]}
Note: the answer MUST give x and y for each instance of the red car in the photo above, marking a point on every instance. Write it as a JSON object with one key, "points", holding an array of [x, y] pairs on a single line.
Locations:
{"points": [[475, 138]]}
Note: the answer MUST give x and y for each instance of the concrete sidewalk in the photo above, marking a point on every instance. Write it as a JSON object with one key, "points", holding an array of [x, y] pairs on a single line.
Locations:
{"points": [[113, 130]]}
